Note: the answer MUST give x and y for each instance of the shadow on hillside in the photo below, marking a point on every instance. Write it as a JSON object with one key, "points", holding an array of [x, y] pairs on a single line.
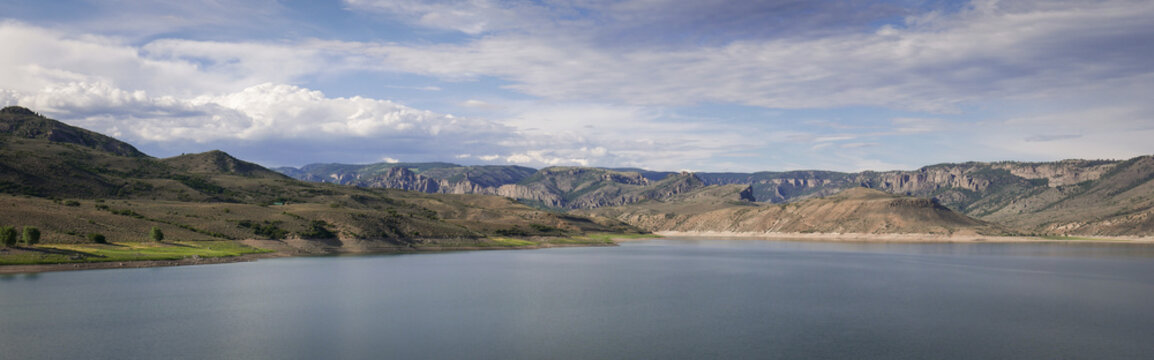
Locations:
{"points": [[53, 251]]}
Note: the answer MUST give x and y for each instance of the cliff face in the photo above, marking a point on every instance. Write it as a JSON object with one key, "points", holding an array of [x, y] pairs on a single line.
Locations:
{"points": [[554, 187], [402, 178], [1066, 172]]}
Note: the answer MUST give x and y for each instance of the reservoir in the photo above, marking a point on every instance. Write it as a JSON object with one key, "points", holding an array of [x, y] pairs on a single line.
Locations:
{"points": [[653, 299]]}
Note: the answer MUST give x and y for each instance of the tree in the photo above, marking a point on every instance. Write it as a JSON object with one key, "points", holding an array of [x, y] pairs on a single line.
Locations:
{"points": [[156, 234], [31, 235], [97, 238], [8, 236]]}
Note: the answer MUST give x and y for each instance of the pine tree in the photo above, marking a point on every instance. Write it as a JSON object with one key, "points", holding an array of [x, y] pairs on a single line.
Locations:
{"points": [[156, 234], [8, 235]]}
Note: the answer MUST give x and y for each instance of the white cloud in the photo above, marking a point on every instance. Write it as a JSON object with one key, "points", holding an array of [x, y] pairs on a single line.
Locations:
{"points": [[605, 103], [918, 125], [1090, 133], [467, 16]]}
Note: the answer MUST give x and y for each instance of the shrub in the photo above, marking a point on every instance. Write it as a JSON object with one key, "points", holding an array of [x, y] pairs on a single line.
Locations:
{"points": [[318, 229], [97, 238], [31, 235], [8, 235], [71, 203], [155, 234]]}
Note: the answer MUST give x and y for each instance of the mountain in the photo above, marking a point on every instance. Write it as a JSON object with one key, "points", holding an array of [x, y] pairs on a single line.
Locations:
{"points": [[70, 182], [378, 175], [1087, 197], [554, 187], [855, 210]]}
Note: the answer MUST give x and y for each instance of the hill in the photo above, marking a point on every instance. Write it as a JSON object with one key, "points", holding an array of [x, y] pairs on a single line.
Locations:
{"points": [[219, 162], [856, 210], [22, 123]]}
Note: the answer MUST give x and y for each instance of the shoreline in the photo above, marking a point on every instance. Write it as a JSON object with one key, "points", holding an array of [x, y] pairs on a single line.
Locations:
{"points": [[39, 268], [901, 238], [285, 250]]}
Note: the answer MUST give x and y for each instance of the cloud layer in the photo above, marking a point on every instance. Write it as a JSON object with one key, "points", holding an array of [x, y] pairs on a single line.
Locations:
{"points": [[710, 85]]}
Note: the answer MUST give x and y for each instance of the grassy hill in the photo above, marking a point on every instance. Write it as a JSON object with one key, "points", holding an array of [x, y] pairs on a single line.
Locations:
{"points": [[83, 183]]}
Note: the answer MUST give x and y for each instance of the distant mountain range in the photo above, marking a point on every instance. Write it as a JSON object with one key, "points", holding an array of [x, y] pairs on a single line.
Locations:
{"points": [[1105, 197]]}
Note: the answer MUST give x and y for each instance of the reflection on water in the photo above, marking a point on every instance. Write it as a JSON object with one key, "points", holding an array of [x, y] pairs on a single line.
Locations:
{"points": [[15, 277], [648, 299]]}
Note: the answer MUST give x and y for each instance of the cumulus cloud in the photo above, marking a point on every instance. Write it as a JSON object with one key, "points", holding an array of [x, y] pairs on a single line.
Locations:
{"points": [[258, 112]]}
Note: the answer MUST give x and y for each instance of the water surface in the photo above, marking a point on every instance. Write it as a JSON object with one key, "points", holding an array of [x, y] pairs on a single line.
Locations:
{"points": [[648, 299]]}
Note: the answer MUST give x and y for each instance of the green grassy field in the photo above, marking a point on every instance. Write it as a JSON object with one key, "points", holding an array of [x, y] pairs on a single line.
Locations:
{"points": [[125, 251]]}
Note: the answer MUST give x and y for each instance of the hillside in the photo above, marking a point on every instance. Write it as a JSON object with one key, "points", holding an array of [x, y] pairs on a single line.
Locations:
{"points": [[856, 210], [219, 162], [85, 183], [22, 123]]}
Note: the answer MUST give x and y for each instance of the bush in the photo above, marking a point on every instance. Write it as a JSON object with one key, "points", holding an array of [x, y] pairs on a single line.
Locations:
{"points": [[318, 229], [97, 238], [8, 236], [268, 229], [31, 235], [155, 234]]}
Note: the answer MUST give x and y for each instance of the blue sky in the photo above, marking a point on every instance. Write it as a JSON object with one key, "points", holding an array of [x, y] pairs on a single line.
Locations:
{"points": [[704, 85]]}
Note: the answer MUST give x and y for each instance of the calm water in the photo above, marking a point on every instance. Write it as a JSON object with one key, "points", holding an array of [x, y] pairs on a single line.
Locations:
{"points": [[653, 299]]}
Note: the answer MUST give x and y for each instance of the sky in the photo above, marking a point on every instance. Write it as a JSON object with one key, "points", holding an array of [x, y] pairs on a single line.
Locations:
{"points": [[701, 85]]}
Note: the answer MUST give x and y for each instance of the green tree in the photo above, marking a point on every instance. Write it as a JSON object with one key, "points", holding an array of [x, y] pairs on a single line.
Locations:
{"points": [[156, 234], [8, 236], [31, 235], [97, 238]]}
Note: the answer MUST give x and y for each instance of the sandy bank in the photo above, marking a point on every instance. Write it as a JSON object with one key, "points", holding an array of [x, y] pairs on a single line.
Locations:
{"points": [[911, 238]]}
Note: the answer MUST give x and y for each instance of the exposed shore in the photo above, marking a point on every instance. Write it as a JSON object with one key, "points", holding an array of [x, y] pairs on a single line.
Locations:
{"points": [[906, 238]]}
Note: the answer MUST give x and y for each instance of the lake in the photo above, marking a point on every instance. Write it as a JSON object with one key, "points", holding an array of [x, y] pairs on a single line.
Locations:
{"points": [[655, 299]]}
